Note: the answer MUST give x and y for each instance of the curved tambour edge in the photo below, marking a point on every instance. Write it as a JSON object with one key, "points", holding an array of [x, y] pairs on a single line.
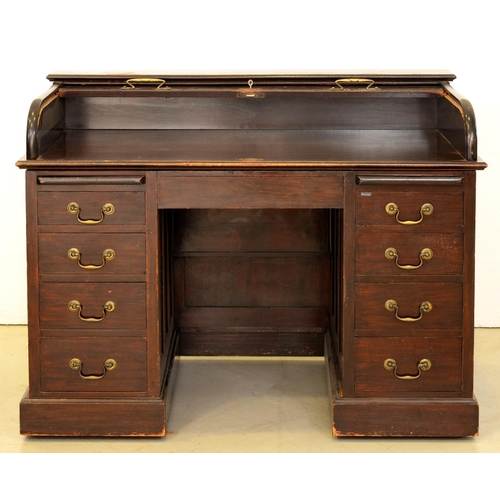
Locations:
{"points": [[459, 123], [45, 122]]}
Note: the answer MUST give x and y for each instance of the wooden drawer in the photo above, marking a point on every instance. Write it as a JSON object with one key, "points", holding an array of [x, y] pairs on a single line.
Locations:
{"points": [[129, 374], [256, 190], [375, 253], [129, 311], [444, 375], [127, 208], [445, 299], [116, 254], [372, 201]]}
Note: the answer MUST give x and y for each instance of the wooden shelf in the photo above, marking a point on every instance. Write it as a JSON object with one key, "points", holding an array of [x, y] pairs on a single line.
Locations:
{"points": [[310, 148]]}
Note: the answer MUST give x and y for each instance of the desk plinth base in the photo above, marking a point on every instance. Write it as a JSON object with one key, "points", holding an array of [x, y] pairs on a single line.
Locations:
{"points": [[93, 417], [405, 417]]}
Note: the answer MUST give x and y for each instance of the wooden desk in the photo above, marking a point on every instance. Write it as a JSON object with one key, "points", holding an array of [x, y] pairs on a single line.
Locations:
{"points": [[288, 215]]}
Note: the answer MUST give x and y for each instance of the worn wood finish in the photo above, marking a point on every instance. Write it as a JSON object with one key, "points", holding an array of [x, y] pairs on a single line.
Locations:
{"points": [[57, 180], [252, 281], [261, 190], [129, 254], [130, 374], [371, 313], [129, 300], [468, 304], [235, 231], [250, 219], [34, 288], [372, 243], [252, 318], [292, 147], [237, 114], [445, 374], [251, 343], [48, 125], [448, 207], [405, 418], [406, 415], [266, 281], [137, 417], [52, 208]]}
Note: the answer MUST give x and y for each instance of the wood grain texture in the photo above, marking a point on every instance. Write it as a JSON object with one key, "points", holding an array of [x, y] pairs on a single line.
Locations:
{"points": [[129, 376], [446, 300], [302, 147], [239, 231], [52, 208], [410, 416], [248, 343], [372, 242], [129, 249], [405, 418], [448, 207], [134, 417], [129, 299], [371, 376], [259, 191], [105, 113], [285, 281]]}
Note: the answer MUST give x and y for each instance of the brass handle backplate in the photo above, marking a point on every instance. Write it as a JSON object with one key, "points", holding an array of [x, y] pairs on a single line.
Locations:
{"points": [[425, 254], [392, 306], [75, 306], [77, 365], [74, 208], [422, 366], [425, 209], [75, 254]]}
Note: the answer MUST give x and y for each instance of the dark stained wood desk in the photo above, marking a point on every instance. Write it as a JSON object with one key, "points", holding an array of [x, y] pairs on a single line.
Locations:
{"points": [[290, 215]]}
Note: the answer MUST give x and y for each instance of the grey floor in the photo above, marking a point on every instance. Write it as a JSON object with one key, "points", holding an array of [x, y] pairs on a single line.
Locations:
{"points": [[248, 405]]}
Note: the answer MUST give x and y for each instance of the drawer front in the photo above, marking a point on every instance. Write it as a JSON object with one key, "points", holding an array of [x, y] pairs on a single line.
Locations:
{"points": [[91, 209], [92, 254], [377, 207], [408, 310], [90, 375], [101, 306], [444, 355], [258, 190], [379, 252]]}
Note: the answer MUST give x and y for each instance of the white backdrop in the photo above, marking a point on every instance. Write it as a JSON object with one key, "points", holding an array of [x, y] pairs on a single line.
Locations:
{"points": [[37, 38]]}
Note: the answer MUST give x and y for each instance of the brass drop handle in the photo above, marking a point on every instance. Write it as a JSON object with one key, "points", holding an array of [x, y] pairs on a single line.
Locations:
{"points": [[422, 366], [75, 254], [159, 82], [355, 81], [425, 209], [75, 306], [77, 365], [392, 306], [425, 254], [74, 208]]}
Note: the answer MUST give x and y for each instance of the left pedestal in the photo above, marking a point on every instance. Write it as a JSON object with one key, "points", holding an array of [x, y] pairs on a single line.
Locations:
{"points": [[98, 364]]}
